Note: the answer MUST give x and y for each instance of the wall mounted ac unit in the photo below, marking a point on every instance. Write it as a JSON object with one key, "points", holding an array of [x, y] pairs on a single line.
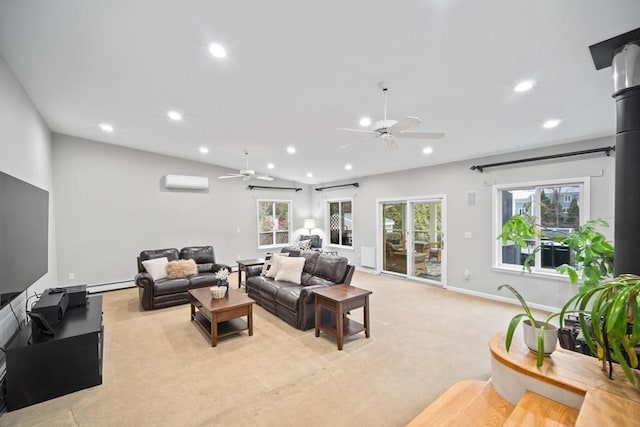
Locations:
{"points": [[186, 182]]}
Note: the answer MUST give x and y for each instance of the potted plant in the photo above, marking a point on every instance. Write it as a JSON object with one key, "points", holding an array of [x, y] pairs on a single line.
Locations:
{"points": [[539, 336], [616, 303]]}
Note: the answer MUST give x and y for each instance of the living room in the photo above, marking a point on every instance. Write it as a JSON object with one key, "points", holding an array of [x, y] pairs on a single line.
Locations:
{"points": [[108, 203]]}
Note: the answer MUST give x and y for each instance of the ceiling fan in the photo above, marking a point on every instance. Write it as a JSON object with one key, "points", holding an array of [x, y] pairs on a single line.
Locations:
{"points": [[247, 174], [388, 130]]}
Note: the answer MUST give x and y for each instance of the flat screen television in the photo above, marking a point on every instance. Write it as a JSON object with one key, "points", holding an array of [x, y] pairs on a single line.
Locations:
{"points": [[24, 236]]}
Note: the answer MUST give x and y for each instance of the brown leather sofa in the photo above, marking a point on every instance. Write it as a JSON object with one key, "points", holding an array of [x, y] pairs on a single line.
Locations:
{"points": [[167, 292], [295, 303]]}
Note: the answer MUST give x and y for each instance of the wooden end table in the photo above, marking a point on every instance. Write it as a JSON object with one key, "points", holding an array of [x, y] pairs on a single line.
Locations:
{"points": [[340, 299], [219, 318], [242, 266]]}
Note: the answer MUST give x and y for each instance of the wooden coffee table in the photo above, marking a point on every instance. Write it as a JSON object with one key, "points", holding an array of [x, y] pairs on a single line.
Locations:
{"points": [[340, 299], [221, 317]]}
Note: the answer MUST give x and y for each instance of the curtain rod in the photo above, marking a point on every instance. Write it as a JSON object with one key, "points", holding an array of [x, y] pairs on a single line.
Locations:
{"points": [[606, 150], [251, 187], [353, 184]]}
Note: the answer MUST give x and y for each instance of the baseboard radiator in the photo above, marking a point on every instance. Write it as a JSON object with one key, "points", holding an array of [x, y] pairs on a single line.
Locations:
{"points": [[368, 256]]}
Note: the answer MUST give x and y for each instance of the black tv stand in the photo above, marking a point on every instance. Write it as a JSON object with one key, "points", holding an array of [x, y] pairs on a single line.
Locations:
{"points": [[41, 367]]}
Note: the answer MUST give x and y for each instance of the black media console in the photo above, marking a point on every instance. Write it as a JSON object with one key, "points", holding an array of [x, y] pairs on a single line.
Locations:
{"points": [[41, 367]]}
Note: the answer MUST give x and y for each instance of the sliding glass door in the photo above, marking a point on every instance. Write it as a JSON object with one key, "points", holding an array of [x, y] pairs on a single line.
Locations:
{"points": [[412, 238]]}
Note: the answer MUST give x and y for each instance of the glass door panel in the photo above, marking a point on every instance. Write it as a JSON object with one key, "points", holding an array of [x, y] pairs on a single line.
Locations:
{"points": [[427, 240], [393, 237]]}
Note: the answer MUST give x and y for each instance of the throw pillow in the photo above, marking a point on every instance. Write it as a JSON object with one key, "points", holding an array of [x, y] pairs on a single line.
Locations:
{"points": [[304, 245], [181, 268], [290, 269], [267, 263], [275, 264], [156, 267]]}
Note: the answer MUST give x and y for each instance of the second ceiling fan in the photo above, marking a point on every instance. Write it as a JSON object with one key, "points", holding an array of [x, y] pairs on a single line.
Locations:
{"points": [[388, 130], [246, 174]]}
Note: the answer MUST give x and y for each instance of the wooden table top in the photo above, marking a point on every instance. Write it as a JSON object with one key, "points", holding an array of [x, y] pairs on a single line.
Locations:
{"points": [[233, 298], [252, 261], [341, 292]]}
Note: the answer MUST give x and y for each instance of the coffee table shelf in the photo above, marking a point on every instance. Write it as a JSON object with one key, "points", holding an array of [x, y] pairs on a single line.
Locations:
{"points": [[226, 328]]}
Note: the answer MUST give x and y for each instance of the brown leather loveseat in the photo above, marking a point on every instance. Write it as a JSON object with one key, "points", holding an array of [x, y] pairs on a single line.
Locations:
{"points": [[295, 303], [166, 292]]}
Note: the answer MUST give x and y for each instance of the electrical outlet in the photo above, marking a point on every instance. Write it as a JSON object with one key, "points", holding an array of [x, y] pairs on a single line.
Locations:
{"points": [[467, 274], [72, 276]]}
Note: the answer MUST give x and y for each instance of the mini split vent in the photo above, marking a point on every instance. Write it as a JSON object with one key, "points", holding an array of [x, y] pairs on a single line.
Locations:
{"points": [[186, 182]]}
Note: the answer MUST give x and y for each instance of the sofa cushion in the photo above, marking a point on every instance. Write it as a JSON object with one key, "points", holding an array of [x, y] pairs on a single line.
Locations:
{"points": [[156, 267], [200, 254], [332, 268], [203, 280], [275, 264], [310, 263], [170, 253], [316, 242], [288, 297], [290, 269], [181, 268], [171, 286], [315, 280]]}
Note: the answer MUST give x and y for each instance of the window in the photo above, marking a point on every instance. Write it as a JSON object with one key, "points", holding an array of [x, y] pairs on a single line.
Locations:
{"points": [[340, 226], [558, 206], [274, 224]]}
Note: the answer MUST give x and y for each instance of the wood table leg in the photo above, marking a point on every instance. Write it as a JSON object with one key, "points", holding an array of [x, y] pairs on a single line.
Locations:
{"points": [[250, 319], [239, 275], [214, 330], [339, 326], [366, 316], [317, 309]]}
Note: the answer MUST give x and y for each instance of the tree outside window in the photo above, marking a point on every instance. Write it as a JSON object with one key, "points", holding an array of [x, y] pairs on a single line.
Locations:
{"points": [[340, 217], [274, 227]]}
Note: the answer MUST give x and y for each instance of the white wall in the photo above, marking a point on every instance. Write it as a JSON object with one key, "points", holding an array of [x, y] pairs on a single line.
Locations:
{"points": [[454, 181], [25, 152], [110, 205]]}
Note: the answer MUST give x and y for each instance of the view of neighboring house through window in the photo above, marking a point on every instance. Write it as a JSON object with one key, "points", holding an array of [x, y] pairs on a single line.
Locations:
{"points": [[340, 217], [274, 225], [557, 207]]}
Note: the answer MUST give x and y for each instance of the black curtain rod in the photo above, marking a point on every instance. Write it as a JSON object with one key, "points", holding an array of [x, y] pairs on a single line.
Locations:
{"points": [[606, 150], [296, 189], [354, 184]]}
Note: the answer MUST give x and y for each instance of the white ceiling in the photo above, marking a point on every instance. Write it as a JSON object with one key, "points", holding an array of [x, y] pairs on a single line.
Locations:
{"points": [[298, 70]]}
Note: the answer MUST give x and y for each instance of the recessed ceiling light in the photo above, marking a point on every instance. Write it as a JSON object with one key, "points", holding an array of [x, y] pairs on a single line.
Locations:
{"points": [[348, 166], [106, 127], [174, 115], [365, 121], [204, 150], [216, 50], [427, 150], [270, 165], [291, 150], [551, 123], [524, 86], [309, 175]]}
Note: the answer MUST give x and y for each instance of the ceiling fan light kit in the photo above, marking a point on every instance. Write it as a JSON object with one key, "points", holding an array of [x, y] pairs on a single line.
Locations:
{"points": [[246, 174], [388, 130]]}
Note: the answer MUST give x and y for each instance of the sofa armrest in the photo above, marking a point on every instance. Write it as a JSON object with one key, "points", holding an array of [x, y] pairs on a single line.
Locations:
{"points": [[253, 270], [144, 280], [306, 293]]}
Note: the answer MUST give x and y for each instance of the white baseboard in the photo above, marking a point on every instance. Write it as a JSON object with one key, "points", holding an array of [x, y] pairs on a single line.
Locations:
{"points": [[502, 299], [92, 289]]}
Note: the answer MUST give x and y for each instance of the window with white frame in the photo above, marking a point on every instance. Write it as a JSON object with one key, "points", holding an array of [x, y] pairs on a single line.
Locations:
{"points": [[274, 223], [340, 222], [558, 206]]}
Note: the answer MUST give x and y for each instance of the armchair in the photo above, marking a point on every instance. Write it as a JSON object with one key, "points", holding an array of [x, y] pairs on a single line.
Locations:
{"points": [[316, 241]]}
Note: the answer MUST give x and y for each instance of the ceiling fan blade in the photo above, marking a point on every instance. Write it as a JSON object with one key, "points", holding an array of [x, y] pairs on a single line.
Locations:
{"points": [[423, 135], [234, 175], [361, 141], [358, 130], [406, 123], [264, 177]]}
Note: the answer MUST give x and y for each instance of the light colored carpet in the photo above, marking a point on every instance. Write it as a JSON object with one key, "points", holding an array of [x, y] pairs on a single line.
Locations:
{"points": [[159, 369]]}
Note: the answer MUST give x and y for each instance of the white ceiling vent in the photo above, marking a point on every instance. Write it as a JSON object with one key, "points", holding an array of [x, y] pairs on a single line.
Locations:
{"points": [[186, 182]]}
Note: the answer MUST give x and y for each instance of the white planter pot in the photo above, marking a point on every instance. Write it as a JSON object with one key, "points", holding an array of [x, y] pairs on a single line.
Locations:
{"points": [[531, 336]]}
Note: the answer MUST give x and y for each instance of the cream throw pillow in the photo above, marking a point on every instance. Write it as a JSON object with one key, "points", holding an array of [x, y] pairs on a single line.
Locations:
{"points": [[156, 267], [275, 262], [290, 269]]}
